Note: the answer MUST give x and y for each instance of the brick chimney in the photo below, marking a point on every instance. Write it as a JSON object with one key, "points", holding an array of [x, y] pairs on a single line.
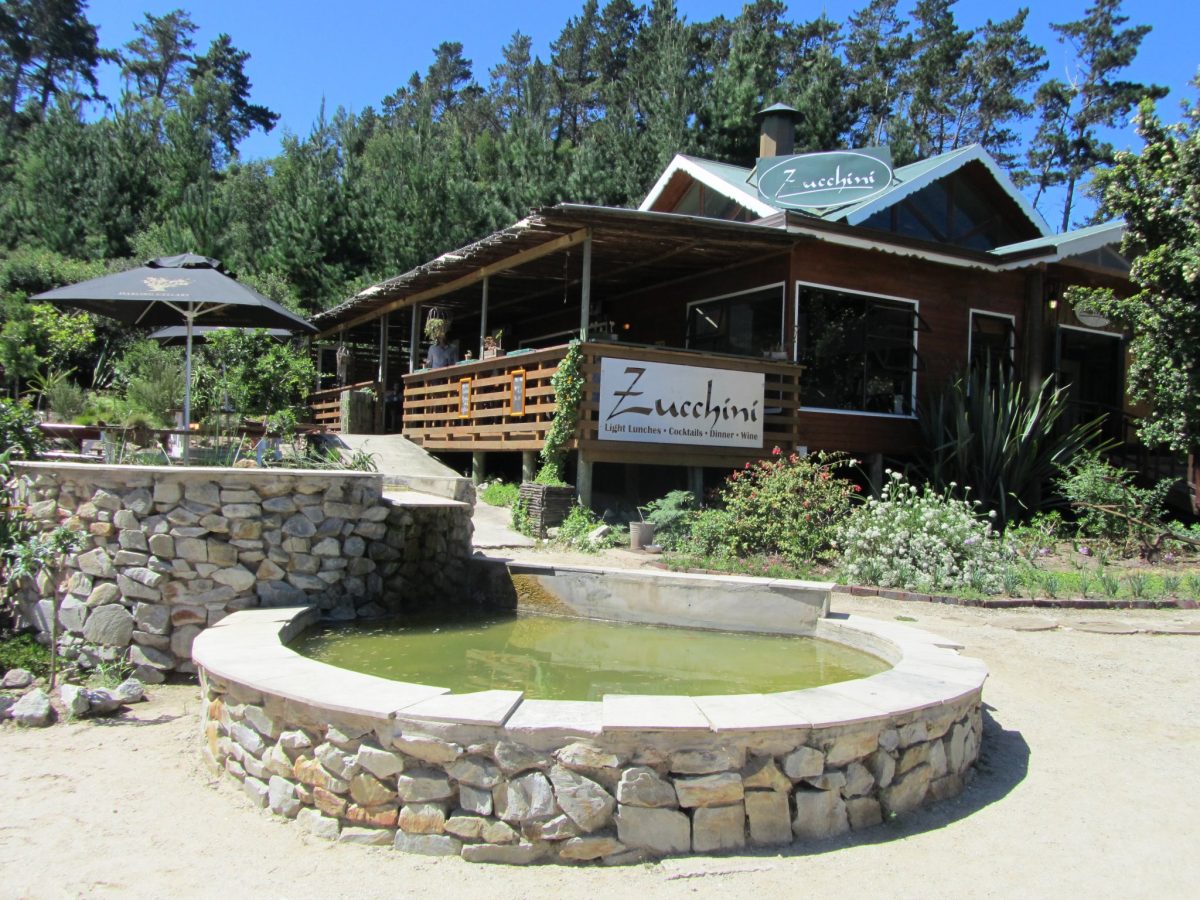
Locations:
{"points": [[777, 130]]}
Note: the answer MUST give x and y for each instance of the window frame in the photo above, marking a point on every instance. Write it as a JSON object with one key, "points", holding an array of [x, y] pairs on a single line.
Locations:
{"points": [[781, 285], [1012, 336], [870, 295]]}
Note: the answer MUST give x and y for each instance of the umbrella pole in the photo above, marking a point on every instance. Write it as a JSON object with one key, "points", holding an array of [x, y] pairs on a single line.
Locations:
{"points": [[187, 389]]}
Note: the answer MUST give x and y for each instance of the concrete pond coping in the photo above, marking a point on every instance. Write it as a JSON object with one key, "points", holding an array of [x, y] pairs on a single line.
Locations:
{"points": [[491, 776], [249, 648]]}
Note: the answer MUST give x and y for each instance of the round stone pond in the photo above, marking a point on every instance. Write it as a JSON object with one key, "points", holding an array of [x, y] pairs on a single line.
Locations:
{"points": [[497, 775], [560, 658]]}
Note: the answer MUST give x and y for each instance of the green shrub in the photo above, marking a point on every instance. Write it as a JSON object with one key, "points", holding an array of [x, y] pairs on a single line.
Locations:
{"points": [[1110, 507], [671, 516], [499, 493], [574, 531], [708, 535], [921, 540], [1004, 444], [787, 505], [19, 429]]}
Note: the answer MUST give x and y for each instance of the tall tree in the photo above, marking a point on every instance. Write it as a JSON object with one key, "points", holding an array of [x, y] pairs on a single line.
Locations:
{"points": [[1069, 142], [878, 55], [1157, 192], [1002, 65], [156, 62], [221, 94], [47, 47], [938, 81]]}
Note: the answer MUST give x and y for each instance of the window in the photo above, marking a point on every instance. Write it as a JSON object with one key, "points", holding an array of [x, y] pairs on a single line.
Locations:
{"points": [[992, 341], [859, 351], [745, 324]]}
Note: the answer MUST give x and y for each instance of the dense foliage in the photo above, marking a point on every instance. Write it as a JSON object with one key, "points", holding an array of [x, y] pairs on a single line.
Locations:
{"points": [[365, 195], [987, 434], [788, 505], [1109, 506], [1157, 192], [921, 539]]}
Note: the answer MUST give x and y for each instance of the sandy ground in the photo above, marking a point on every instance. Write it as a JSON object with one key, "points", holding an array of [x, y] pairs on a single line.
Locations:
{"points": [[1087, 787]]}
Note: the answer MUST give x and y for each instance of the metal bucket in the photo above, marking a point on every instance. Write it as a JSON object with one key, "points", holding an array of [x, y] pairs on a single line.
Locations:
{"points": [[640, 534]]}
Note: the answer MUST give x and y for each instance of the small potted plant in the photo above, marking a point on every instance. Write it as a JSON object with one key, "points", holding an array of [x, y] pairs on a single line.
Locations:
{"points": [[491, 344]]}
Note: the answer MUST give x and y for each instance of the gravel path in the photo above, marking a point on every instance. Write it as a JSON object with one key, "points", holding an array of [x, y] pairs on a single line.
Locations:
{"points": [[1087, 788]]}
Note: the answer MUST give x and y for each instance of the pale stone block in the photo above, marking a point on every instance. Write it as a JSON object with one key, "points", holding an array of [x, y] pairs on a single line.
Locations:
{"points": [[704, 762], [427, 844], [709, 790], [661, 831], [770, 818], [761, 773], [587, 804], [581, 849], [819, 814], [423, 818], [510, 854], [864, 812], [907, 792], [375, 837], [642, 786], [719, 828], [423, 785], [804, 762]]}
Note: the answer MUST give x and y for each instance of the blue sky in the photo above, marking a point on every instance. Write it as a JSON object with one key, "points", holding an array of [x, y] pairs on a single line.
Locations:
{"points": [[354, 53]]}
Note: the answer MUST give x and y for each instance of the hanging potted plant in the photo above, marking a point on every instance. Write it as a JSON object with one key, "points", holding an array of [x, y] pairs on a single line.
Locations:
{"points": [[437, 323]]}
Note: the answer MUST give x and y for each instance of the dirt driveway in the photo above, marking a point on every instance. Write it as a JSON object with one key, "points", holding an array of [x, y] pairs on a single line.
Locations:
{"points": [[1088, 787]]}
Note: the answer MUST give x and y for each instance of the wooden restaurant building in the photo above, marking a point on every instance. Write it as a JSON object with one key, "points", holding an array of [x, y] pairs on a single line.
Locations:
{"points": [[807, 303]]}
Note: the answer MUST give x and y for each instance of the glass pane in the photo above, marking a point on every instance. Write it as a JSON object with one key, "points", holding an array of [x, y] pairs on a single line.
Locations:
{"points": [[746, 325], [858, 352]]}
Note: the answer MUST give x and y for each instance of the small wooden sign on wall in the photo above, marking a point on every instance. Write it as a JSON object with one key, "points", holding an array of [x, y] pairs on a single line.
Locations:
{"points": [[464, 398]]}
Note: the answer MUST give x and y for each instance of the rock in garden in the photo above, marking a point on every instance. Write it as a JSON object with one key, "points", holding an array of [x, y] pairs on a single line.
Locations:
{"points": [[6, 705], [710, 790], [15, 679], [427, 844], [130, 691], [33, 710], [719, 828], [75, 699]]}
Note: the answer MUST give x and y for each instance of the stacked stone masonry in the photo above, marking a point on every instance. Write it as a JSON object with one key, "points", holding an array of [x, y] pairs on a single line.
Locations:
{"points": [[609, 798], [493, 777], [171, 551]]}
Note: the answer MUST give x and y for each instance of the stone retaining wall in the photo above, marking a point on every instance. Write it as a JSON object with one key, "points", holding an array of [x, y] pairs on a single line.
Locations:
{"points": [[172, 550], [493, 779]]}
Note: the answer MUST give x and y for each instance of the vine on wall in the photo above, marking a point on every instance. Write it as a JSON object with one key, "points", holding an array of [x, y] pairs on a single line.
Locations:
{"points": [[568, 385]]}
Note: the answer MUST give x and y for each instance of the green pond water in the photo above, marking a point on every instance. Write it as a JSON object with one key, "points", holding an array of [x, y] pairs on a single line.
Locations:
{"points": [[553, 658]]}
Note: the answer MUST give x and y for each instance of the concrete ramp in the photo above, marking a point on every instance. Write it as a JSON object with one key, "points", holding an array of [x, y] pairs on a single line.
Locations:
{"points": [[404, 465]]}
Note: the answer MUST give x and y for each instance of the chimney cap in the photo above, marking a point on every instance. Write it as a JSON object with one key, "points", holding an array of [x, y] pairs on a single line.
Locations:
{"points": [[776, 109]]}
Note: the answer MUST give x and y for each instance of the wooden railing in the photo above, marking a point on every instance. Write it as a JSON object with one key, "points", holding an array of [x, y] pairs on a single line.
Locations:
{"points": [[326, 405], [434, 403], [440, 415]]}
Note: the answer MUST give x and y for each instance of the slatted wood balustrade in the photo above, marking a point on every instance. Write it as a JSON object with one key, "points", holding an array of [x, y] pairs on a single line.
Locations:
{"points": [[326, 405], [431, 406]]}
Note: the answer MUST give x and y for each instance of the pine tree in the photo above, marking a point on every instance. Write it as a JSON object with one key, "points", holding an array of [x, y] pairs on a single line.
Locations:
{"points": [[878, 57], [1069, 140]]}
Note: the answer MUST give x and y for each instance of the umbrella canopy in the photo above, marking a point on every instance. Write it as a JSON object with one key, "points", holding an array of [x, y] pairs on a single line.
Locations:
{"points": [[176, 334], [171, 289]]}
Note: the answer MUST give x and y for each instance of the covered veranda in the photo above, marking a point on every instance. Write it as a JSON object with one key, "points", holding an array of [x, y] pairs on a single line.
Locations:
{"points": [[596, 274]]}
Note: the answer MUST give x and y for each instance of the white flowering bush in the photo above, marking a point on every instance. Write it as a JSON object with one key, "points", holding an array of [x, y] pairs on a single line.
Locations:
{"points": [[921, 540]]}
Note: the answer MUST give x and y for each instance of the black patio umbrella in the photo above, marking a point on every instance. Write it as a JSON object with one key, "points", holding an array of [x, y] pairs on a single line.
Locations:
{"points": [[173, 288]]}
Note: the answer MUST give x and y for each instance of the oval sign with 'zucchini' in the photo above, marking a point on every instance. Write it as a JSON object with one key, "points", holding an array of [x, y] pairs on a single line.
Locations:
{"points": [[822, 180]]}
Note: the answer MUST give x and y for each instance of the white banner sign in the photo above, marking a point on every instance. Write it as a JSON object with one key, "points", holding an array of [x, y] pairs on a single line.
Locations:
{"points": [[657, 403]]}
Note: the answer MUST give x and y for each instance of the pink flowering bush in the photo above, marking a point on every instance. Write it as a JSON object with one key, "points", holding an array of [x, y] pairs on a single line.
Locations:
{"points": [[787, 505]]}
